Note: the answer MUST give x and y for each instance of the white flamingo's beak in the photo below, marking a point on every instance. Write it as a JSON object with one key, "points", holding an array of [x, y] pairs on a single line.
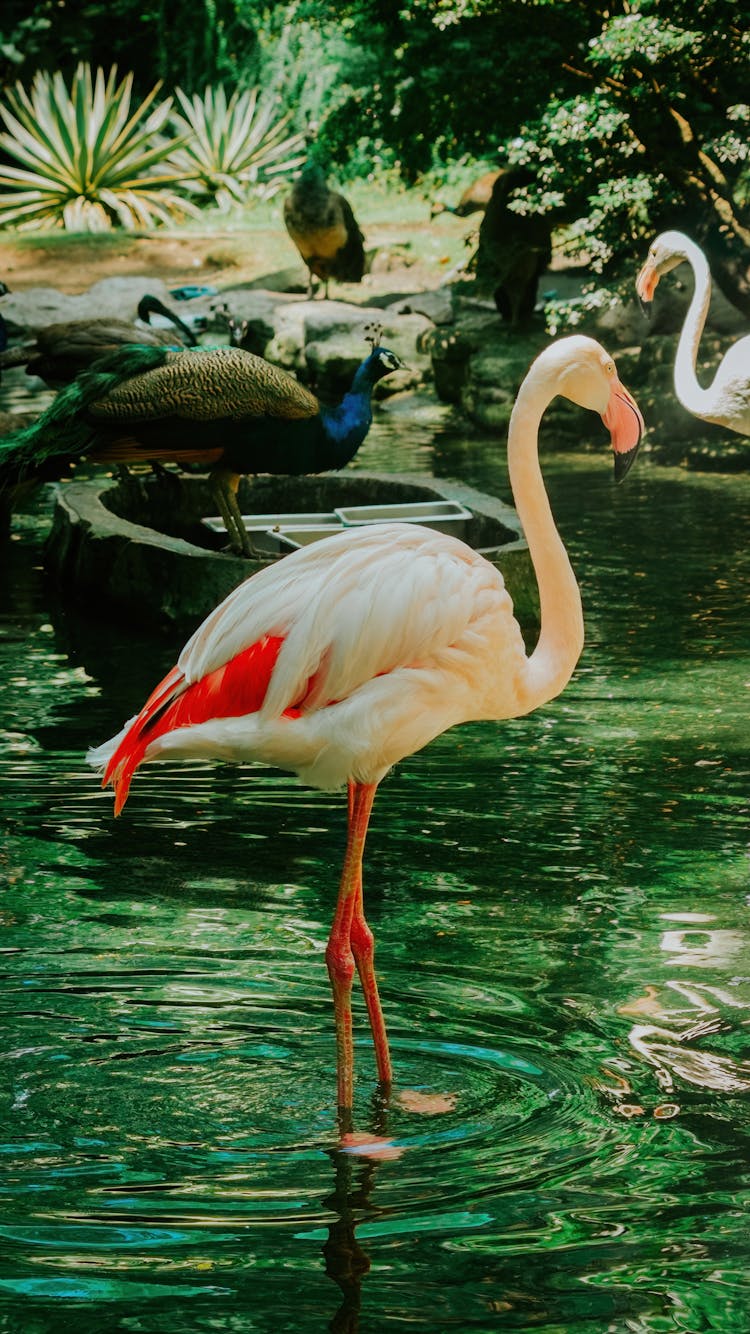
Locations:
{"points": [[625, 424], [645, 285]]}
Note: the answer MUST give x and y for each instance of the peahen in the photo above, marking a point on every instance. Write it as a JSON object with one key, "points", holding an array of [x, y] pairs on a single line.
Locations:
{"points": [[223, 408], [324, 229], [61, 351]]}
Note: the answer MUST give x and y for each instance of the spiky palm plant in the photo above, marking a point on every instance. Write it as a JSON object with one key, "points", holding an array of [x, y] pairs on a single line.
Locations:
{"points": [[233, 147], [89, 162]]}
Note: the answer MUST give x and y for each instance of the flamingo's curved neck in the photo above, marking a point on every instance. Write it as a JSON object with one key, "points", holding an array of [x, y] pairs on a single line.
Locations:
{"points": [[687, 388], [558, 648]]}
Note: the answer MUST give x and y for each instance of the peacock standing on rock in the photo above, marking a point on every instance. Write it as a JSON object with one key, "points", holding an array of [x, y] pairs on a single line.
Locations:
{"points": [[324, 229], [60, 351], [222, 408]]}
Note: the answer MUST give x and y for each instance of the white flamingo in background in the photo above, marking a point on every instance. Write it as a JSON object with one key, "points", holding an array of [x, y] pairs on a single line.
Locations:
{"points": [[726, 402], [349, 654]]}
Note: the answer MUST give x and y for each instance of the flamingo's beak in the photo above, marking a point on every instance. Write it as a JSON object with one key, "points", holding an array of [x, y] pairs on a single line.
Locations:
{"points": [[645, 286], [625, 424]]}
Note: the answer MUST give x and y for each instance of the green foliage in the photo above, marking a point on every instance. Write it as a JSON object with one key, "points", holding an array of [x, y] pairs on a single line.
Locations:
{"points": [[331, 76], [629, 113], [88, 161], [642, 38], [570, 150], [450, 79], [232, 147], [212, 42], [18, 41]]}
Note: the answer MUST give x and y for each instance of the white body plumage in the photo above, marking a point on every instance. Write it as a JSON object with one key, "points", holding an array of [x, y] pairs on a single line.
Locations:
{"points": [[404, 632]]}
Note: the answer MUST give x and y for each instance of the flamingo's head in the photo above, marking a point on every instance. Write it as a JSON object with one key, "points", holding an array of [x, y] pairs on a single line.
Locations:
{"points": [[665, 253], [587, 375]]}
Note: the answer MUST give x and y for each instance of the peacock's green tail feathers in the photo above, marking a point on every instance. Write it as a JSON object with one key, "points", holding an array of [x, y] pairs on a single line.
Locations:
{"points": [[63, 433]]}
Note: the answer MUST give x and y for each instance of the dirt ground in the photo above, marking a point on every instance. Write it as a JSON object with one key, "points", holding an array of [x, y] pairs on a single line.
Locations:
{"points": [[74, 266], [415, 254]]}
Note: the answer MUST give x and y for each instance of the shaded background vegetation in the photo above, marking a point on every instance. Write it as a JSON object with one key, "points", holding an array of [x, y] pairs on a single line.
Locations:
{"points": [[631, 115]]}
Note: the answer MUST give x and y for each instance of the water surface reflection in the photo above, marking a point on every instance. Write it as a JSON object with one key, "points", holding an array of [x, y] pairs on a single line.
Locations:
{"points": [[560, 904]]}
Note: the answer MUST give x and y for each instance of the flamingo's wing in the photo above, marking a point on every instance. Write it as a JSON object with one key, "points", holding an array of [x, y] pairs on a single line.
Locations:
{"points": [[206, 384], [317, 626], [348, 609]]}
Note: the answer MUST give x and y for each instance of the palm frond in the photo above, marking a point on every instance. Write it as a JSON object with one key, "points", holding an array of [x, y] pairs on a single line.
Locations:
{"points": [[232, 147], [88, 157]]}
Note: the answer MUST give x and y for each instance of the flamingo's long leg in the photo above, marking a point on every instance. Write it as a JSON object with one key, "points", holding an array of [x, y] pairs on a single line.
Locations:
{"points": [[339, 955], [363, 948]]}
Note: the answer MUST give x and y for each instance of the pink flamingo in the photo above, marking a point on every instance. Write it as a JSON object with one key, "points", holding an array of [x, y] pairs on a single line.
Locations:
{"points": [[355, 651], [726, 401]]}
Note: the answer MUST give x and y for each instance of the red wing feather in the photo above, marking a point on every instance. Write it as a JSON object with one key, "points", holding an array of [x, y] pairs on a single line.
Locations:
{"points": [[237, 688]]}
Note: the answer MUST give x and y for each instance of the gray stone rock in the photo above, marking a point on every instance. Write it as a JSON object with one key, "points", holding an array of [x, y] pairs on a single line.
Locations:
{"points": [[494, 375], [436, 306], [257, 310], [27, 311], [324, 342], [451, 350]]}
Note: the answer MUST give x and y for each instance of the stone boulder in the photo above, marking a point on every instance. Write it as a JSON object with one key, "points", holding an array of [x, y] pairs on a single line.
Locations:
{"points": [[320, 341], [27, 311], [479, 363], [323, 342], [494, 376], [437, 306]]}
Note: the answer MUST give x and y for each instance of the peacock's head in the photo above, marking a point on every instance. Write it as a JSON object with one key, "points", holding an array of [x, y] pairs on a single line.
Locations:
{"points": [[381, 360]]}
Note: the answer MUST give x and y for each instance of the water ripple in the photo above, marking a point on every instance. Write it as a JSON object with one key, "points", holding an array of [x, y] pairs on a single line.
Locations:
{"points": [[560, 905]]}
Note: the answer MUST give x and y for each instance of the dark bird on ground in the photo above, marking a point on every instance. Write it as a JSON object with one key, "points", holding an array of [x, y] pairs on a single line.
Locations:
{"points": [[61, 351], [513, 250], [324, 229], [474, 199], [221, 408]]}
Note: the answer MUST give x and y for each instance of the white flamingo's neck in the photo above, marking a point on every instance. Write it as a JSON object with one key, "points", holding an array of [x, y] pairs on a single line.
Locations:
{"points": [[558, 648], [689, 392]]}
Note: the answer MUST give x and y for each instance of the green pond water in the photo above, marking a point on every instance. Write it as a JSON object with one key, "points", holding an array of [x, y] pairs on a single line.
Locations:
{"points": [[561, 909]]}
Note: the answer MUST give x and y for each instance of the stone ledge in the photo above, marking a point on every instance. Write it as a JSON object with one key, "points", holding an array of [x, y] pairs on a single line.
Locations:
{"points": [[131, 546]]}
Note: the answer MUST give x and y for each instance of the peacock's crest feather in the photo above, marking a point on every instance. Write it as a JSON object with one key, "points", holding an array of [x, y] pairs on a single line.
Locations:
{"points": [[372, 334]]}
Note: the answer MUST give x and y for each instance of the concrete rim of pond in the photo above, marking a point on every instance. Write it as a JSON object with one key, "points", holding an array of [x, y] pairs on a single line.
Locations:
{"points": [[137, 545]]}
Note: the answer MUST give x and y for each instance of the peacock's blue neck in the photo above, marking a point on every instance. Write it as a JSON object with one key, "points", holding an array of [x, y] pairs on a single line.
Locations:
{"points": [[347, 424]]}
